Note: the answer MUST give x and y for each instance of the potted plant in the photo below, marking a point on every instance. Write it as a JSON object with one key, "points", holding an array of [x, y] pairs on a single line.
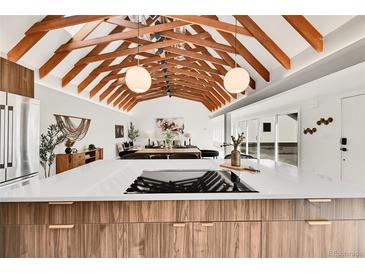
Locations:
{"points": [[48, 143], [169, 138], [236, 154], [133, 133]]}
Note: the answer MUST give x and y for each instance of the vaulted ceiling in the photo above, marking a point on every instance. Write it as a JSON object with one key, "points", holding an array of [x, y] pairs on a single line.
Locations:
{"points": [[187, 56]]}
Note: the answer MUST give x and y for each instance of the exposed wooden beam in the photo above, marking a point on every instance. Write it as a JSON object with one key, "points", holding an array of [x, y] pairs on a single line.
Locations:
{"points": [[106, 92], [125, 100], [199, 56], [91, 77], [186, 81], [219, 67], [191, 98], [63, 22], [121, 36], [214, 23], [119, 21], [28, 41], [226, 57], [197, 41], [131, 64], [245, 53], [206, 95], [191, 73], [119, 53], [112, 97], [69, 76], [58, 57], [306, 30], [264, 40], [120, 97], [132, 105], [191, 65]]}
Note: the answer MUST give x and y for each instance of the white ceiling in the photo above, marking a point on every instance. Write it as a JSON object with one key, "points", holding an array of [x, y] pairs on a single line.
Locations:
{"points": [[12, 29]]}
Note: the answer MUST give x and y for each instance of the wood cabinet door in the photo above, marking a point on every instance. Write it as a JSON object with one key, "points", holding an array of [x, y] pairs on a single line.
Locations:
{"points": [[241, 239], [176, 240], [313, 239], [207, 240], [140, 240], [99, 240], [57, 241], [16, 79], [18, 241]]}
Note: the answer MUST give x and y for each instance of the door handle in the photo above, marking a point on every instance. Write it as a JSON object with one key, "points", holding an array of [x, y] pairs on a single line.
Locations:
{"points": [[207, 224], [343, 149], [61, 226], [10, 135], [319, 222], [2, 136], [178, 225]]}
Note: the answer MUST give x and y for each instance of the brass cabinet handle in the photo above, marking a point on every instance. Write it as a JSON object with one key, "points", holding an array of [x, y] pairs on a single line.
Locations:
{"points": [[319, 200], [61, 226], [178, 225], [207, 224], [60, 203], [319, 222]]}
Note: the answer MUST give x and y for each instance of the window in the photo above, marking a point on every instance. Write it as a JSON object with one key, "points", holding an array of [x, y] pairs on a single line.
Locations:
{"points": [[267, 138], [288, 138], [218, 133], [252, 138]]}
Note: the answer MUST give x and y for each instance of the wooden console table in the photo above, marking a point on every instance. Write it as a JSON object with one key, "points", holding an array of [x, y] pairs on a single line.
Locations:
{"points": [[164, 151], [69, 161]]}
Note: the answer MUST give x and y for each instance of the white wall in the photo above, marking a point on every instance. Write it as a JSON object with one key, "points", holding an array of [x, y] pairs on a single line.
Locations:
{"points": [[103, 120], [320, 152], [196, 116]]}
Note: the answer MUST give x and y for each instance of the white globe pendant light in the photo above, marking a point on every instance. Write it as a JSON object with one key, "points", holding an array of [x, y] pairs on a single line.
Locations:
{"points": [[137, 78], [237, 79]]}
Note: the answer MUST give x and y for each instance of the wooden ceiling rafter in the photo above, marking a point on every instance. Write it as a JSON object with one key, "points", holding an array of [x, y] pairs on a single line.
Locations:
{"points": [[244, 52], [57, 58], [28, 41], [264, 40], [306, 30], [198, 74], [214, 23], [70, 75], [121, 36], [67, 21]]}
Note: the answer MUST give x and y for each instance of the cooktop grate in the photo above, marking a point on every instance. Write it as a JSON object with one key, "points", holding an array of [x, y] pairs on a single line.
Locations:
{"points": [[188, 182]]}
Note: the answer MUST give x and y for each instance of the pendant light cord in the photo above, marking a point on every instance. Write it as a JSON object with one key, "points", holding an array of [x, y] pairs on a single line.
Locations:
{"points": [[235, 43], [138, 40]]}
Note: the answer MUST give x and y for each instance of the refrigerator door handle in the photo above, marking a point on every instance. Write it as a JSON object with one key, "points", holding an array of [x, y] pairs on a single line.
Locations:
{"points": [[2, 136], [10, 136]]}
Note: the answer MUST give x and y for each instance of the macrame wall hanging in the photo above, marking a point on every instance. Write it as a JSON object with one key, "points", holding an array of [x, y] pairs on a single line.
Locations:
{"points": [[74, 133]]}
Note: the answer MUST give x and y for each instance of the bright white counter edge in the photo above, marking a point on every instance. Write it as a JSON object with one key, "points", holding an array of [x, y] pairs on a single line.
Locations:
{"points": [[108, 179]]}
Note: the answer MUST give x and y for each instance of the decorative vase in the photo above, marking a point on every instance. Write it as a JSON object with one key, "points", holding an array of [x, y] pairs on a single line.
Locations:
{"points": [[68, 150], [236, 157]]}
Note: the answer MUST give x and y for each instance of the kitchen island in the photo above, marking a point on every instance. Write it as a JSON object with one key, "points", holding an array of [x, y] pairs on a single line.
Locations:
{"points": [[85, 213]]}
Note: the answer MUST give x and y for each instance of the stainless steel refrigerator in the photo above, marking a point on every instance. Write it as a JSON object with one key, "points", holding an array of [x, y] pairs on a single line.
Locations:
{"points": [[19, 137]]}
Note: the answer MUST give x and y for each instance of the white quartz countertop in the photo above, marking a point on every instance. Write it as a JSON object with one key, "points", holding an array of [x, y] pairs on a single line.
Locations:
{"points": [[107, 180]]}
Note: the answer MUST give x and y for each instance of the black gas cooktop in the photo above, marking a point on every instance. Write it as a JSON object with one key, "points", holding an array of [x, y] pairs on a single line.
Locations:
{"points": [[188, 181]]}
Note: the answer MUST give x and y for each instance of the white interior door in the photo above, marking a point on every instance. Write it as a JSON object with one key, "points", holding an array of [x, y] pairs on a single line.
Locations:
{"points": [[353, 146]]}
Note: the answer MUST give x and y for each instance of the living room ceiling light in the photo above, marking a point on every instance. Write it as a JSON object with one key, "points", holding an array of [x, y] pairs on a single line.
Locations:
{"points": [[237, 79], [138, 79]]}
